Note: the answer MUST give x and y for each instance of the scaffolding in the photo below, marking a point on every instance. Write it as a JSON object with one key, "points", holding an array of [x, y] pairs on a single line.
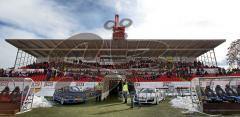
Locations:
{"points": [[23, 59], [208, 58]]}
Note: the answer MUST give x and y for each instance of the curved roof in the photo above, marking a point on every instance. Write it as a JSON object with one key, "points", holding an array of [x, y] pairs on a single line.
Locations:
{"points": [[131, 47], [85, 36]]}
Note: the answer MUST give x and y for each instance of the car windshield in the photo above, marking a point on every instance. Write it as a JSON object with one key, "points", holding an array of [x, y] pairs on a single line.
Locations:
{"points": [[147, 91], [74, 89]]}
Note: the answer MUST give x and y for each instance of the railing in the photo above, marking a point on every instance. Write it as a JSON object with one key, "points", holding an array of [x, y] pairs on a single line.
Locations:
{"points": [[196, 99], [27, 100]]}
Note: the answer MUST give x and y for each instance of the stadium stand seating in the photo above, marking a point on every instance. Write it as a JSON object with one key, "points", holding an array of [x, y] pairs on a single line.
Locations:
{"points": [[139, 70], [9, 101], [5, 95], [220, 95]]}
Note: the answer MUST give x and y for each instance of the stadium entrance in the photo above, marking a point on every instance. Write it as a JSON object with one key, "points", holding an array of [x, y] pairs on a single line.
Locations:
{"points": [[115, 84]]}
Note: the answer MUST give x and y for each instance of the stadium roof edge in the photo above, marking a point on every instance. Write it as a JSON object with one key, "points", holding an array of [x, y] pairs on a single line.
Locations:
{"points": [[129, 47]]}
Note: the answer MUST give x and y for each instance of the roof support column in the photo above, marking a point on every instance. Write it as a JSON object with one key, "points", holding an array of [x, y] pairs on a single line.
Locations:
{"points": [[214, 62], [215, 58], [211, 58], [24, 59], [16, 59], [201, 59], [20, 59], [209, 64], [204, 59]]}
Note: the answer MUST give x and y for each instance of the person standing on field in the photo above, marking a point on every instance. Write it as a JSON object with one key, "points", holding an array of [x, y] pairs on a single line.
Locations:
{"points": [[125, 91]]}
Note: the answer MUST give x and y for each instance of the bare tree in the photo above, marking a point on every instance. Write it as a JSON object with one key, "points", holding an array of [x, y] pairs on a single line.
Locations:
{"points": [[234, 54]]}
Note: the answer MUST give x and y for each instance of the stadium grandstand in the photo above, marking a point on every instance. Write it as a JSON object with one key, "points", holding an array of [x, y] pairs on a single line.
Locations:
{"points": [[87, 57], [86, 68], [92, 59], [100, 67]]}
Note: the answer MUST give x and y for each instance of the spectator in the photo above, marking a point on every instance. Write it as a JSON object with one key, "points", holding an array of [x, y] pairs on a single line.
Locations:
{"points": [[132, 92]]}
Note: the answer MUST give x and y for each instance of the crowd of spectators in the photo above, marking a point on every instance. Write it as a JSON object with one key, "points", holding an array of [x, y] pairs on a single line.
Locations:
{"points": [[147, 69], [12, 73], [43, 65], [234, 71], [2, 72]]}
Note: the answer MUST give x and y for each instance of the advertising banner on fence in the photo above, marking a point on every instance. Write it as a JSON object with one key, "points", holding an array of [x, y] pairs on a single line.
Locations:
{"points": [[161, 84], [47, 88]]}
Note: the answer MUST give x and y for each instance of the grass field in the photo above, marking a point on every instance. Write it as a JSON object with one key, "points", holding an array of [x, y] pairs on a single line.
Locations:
{"points": [[108, 108]]}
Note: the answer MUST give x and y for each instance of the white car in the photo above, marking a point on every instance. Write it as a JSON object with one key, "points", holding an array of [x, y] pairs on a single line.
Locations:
{"points": [[149, 95]]}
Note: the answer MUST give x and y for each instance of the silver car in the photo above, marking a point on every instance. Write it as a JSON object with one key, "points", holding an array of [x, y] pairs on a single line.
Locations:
{"points": [[149, 95]]}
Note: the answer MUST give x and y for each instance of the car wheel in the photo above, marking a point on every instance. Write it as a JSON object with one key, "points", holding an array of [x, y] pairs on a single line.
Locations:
{"points": [[62, 101]]}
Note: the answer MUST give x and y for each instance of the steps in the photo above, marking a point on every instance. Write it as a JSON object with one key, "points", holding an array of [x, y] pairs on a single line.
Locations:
{"points": [[8, 109]]}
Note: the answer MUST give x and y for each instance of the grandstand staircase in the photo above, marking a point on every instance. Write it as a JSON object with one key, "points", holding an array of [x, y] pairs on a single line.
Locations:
{"points": [[27, 102], [8, 109], [195, 98]]}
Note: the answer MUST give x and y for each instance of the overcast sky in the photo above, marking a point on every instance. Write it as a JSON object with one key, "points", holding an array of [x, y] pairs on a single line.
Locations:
{"points": [[153, 19]]}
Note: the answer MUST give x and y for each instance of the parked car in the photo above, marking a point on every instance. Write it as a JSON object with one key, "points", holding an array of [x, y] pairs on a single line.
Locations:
{"points": [[69, 94], [149, 95]]}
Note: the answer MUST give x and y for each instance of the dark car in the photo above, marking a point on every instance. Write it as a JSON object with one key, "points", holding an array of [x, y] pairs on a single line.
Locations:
{"points": [[69, 94]]}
